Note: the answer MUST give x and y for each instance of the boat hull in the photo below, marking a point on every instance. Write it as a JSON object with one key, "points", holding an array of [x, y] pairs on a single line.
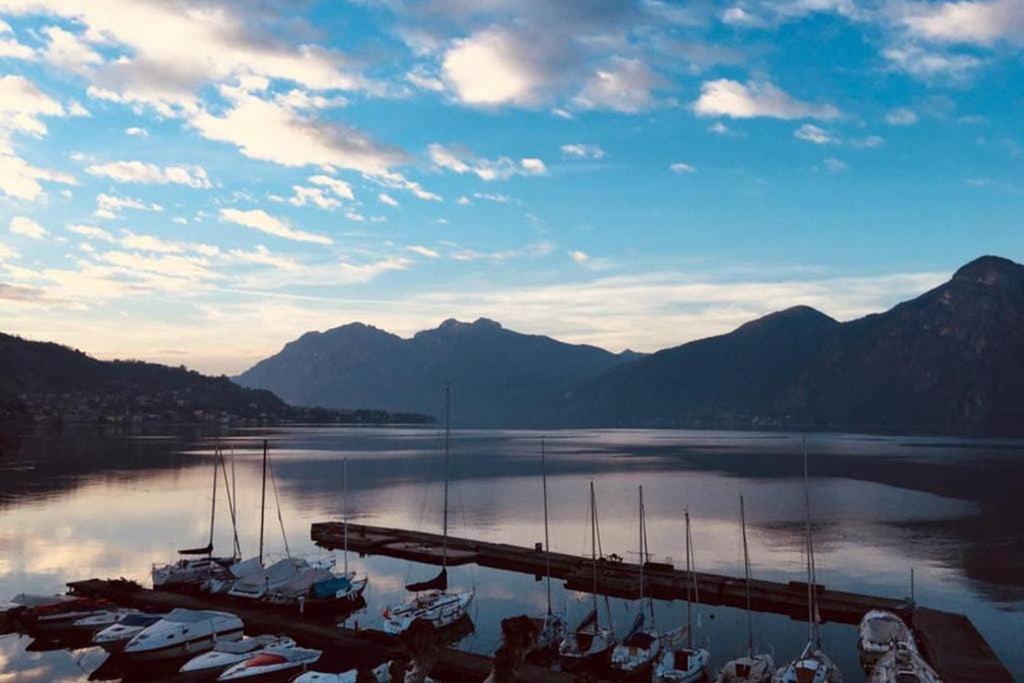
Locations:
{"points": [[182, 649]]}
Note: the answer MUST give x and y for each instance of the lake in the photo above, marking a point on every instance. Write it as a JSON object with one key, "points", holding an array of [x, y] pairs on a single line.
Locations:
{"points": [[85, 502]]}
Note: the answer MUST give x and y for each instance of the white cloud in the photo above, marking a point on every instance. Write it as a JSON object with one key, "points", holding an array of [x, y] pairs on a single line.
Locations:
{"points": [[493, 197], [725, 97], [931, 65], [150, 243], [264, 257], [21, 106], [91, 232], [150, 174], [680, 167], [66, 50], [10, 48], [737, 16], [622, 85], [833, 165], [901, 116], [423, 251], [868, 142], [719, 128], [312, 195], [385, 198], [21, 180], [338, 187], [350, 273], [811, 133], [981, 22], [582, 151], [579, 256], [20, 225], [502, 168], [137, 132], [258, 219], [425, 79], [108, 206]]}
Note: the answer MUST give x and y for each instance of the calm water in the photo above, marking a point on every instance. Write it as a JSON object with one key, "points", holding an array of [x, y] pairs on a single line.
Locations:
{"points": [[88, 503]]}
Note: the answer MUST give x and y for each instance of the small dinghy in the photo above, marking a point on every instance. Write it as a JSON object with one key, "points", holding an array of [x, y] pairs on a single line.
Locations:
{"points": [[101, 620], [226, 654], [878, 633], [273, 663], [113, 638], [903, 664], [182, 633]]}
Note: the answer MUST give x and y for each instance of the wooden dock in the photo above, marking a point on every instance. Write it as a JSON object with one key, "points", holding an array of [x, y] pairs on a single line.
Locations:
{"points": [[363, 647], [948, 641]]}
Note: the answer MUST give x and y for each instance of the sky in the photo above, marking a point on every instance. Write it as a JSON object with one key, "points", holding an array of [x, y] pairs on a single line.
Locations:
{"points": [[199, 183]]}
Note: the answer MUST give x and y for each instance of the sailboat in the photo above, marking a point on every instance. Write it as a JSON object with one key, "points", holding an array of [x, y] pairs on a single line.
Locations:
{"points": [[879, 632], [192, 569], [591, 643], [813, 665], [551, 625], [432, 600], [638, 650], [685, 664], [903, 664], [753, 667]]}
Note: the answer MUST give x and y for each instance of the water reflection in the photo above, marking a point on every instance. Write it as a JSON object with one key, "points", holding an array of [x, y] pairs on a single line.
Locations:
{"points": [[92, 503]]}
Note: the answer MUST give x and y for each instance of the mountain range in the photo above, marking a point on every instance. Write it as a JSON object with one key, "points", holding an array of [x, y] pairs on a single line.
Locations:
{"points": [[950, 361]]}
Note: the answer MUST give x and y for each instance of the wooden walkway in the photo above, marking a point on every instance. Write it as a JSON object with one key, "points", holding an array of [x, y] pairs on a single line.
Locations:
{"points": [[949, 641], [365, 647]]}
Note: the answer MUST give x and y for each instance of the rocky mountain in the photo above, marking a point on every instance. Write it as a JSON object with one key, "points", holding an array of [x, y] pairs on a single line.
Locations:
{"points": [[499, 377], [43, 381], [950, 360]]}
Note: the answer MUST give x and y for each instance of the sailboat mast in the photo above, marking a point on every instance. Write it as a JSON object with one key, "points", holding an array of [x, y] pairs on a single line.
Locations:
{"points": [[811, 621], [547, 545], [641, 553], [593, 539], [344, 508], [447, 438], [263, 498], [213, 506], [689, 582], [746, 576]]}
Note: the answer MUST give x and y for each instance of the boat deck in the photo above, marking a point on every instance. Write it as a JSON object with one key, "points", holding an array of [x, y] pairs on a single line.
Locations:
{"points": [[948, 641]]}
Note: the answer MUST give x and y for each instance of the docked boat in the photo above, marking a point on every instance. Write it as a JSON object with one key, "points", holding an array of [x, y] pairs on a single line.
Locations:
{"points": [[590, 645], [879, 632], [381, 674], [192, 570], [813, 665], [113, 638], [271, 664], [642, 645], [679, 663], [101, 620], [433, 601], [54, 616], [268, 581], [183, 633], [903, 664], [753, 667], [226, 654]]}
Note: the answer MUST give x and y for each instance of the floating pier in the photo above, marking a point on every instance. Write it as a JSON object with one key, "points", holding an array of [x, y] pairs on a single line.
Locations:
{"points": [[948, 641], [364, 647]]}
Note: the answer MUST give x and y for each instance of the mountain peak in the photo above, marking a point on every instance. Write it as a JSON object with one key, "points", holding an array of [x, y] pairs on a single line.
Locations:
{"points": [[804, 316], [478, 324], [991, 270]]}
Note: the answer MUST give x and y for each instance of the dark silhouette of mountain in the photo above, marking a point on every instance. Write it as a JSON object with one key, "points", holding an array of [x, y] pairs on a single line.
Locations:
{"points": [[46, 381], [499, 377], [951, 360]]}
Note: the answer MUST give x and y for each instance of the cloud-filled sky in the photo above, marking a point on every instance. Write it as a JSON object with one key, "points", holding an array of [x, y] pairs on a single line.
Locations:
{"points": [[199, 182]]}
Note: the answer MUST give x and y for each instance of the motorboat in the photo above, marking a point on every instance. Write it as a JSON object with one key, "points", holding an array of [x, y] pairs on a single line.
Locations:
{"points": [[879, 632], [432, 600], [590, 644], [100, 620], [381, 674], [59, 616], [113, 638], [183, 633], [813, 665], [226, 654], [679, 664], [272, 663], [751, 667], [903, 664]]}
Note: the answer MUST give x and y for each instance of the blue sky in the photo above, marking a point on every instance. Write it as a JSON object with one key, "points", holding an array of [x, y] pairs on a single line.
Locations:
{"points": [[200, 182]]}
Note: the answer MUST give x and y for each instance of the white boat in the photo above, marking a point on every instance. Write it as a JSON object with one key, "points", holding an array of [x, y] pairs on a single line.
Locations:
{"points": [[191, 570], [679, 664], [903, 664], [381, 674], [813, 665], [101, 620], [642, 645], [58, 616], [220, 584], [879, 632], [590, 644], [272, 663], [432, 600], [752, 667], [182, 633], [113, 638], [226, 654], [266, 582]]}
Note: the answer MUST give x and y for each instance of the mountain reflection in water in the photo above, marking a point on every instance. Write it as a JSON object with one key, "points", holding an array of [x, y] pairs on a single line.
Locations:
{"points": [[87, 502]]}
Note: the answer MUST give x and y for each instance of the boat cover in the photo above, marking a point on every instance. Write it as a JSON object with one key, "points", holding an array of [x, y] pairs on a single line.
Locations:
{"points": [[331, 587]]}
